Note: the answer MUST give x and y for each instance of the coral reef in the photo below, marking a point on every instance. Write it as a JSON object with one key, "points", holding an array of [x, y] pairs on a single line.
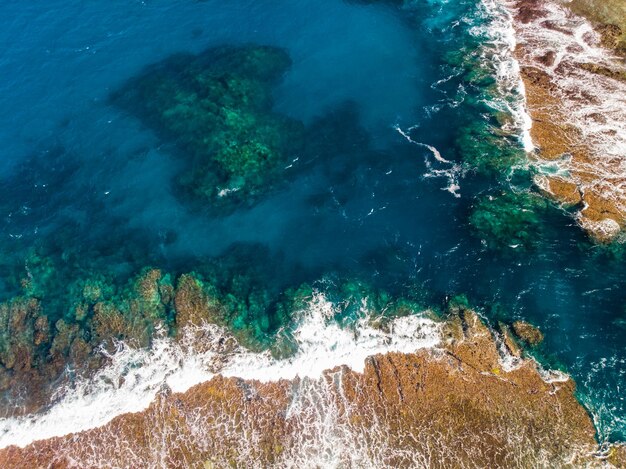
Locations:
{"points": [[23, 330], [485, 152], [50, 330], [37, 347], [217, 107], [455, 406]]}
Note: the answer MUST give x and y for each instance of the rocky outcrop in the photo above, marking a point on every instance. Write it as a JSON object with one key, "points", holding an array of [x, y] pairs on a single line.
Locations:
{"points": [[609, 18], [576, 96], [527, 333], [455, 406]]}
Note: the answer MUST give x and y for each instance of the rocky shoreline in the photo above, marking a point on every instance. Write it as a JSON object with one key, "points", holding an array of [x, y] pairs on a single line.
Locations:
{"points": [[575, 81], [473, 400], [458, 405]]}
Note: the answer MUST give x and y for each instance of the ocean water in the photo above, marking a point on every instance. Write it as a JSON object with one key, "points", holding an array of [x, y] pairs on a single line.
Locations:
{"points": [[384, 198]]}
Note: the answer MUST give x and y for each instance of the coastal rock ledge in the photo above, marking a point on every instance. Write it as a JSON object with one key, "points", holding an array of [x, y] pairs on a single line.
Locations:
{"points": [[574, 74], [453, 406]]}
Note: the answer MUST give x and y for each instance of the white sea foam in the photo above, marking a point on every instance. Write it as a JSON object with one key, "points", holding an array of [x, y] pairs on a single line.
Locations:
{"points": [[592, 104], [498, 55], [134, 377], [448, 169]]}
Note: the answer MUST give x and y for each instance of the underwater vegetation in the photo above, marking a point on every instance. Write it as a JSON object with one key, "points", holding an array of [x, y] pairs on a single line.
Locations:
{"points": [[217, 107], [486, 153], [487, 140], [55, 227], [509, 219]]}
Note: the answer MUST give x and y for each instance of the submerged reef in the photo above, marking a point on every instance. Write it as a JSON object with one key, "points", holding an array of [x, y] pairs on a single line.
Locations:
{"points": [[38, 349], [483, 90], [452, 406], [509, 219], [487, 142], [217, 108], [56, 339], [484, 97]]}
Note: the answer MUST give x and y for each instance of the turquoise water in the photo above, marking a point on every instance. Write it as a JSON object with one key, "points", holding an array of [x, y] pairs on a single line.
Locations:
{"points": [[93, 186]]}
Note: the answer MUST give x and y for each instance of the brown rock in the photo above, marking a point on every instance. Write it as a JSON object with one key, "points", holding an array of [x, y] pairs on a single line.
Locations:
{"points": [[193, 305], [567, 99], [509, 342], [527, 332], [564, 191], [450, 407], [548, 58]]}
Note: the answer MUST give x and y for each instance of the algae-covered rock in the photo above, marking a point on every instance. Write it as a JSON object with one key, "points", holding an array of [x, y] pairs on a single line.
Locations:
{"points": [[39, 272], [135, 313], [22, 330], [238, 301], [609, 18], [527, 332], [43, 336], [439, 408], [487, 152], [509, 341], [64, 334], [509, 220], [217, 107], [193, 304]]}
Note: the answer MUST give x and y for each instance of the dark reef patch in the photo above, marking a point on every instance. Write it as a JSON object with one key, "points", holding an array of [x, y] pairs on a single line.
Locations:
{"points": [[510, 220], [217, 107]]}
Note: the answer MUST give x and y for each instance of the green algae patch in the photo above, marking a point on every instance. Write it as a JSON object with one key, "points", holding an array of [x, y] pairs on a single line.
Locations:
{"points": [[217, 108], [485, 151], [509, 220]]}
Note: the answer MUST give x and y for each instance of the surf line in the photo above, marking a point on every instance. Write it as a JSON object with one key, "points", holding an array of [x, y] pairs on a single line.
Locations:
{"points": [[452, 173]]}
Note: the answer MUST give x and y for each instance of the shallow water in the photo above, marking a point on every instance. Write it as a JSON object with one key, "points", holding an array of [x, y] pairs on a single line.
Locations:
{"points": [[369, 205]]}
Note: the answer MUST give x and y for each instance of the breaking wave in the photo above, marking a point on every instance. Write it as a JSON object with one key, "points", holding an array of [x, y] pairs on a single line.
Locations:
{"points": [[135, 376], [497, 55]]}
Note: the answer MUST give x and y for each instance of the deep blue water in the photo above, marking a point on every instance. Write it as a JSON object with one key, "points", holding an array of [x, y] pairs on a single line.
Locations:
{"points": [[81, 172]]}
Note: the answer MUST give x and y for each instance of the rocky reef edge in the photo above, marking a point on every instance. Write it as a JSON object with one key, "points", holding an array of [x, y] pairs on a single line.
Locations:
{"points": [[571, 57], [473, 401]]}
